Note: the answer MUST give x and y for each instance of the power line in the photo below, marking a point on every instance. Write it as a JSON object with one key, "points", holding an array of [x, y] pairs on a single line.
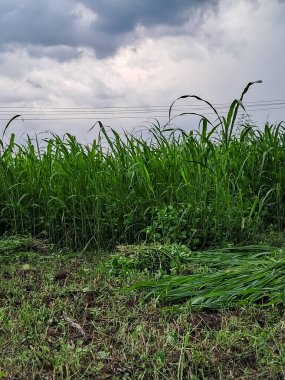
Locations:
{"points": [[268, 102], [37, 113]]}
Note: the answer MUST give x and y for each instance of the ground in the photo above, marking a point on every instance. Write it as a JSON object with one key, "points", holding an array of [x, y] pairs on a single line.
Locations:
{"points": [[64, 316]]}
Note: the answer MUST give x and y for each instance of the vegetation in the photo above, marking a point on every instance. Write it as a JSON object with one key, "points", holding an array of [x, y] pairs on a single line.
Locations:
{"points": [[116, 270], [202, 188], [234, 278]]}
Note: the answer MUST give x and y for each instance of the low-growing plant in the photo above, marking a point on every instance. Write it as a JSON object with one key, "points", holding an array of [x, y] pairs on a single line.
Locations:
{"points": [[173, 224], [151, 258]]}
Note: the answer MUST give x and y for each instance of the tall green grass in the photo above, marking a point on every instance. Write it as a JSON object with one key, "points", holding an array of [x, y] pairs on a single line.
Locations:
{"points": [[200, 188]]}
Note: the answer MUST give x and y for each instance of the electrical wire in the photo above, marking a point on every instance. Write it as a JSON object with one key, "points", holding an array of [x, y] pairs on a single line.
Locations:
{"points": [[38, 113]]}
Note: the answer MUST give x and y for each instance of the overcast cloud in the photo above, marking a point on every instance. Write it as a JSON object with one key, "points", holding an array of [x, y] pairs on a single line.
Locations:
{"points": [[99, 53], [103, 25]]}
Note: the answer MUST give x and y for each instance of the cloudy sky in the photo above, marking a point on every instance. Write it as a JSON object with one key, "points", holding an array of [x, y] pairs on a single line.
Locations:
{"points": [[90, 54]]}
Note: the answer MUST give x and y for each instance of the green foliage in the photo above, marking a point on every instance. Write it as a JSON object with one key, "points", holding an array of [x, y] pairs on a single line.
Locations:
{"points": [[15, 244], [237, 276], [221, 183], [173, 224], [152, 258]]}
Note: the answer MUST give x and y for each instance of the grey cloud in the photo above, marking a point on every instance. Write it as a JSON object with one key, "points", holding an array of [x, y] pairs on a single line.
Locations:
{"points": [[53, 23], [33, 83], [123, 16], [36, 22], [60, 53]]}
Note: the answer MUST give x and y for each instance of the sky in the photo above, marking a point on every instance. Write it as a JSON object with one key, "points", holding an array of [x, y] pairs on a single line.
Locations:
{"points": [[125, 61]]}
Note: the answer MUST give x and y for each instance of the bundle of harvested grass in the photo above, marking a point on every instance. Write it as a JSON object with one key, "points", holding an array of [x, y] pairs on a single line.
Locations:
{"points": [[238, 278]]}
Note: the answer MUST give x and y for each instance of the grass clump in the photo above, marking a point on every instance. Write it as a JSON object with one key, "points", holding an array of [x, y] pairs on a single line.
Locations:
{"points": [[15, 244], [151, 258]]}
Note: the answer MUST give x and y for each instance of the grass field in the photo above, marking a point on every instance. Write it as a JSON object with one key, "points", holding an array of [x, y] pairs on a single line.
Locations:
{"points": [[152, 256]]}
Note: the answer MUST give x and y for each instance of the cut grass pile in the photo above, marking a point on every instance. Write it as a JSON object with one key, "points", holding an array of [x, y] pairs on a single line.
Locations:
{"points": [[63, 317], [222, 183], [234, 278]]}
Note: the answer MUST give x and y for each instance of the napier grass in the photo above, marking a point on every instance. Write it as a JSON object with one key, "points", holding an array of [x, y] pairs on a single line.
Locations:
{"points": [[222, 183]]}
